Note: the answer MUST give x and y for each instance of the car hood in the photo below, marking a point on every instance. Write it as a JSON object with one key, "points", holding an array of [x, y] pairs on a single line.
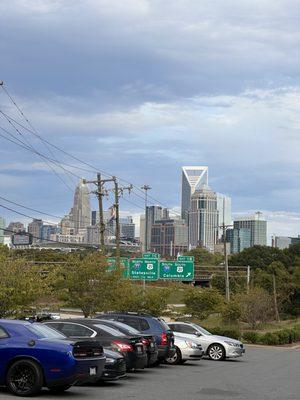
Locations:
{"points": [[112, 354], [224, 339]]}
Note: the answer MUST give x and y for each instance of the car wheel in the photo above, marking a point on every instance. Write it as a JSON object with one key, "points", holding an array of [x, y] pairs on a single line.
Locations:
{"points": [[24, 378], [175, 359], [59, 389], [216, 352]]}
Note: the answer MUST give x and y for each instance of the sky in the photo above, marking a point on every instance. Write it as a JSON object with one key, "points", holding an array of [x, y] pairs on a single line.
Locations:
{"points": [[139, 88]]}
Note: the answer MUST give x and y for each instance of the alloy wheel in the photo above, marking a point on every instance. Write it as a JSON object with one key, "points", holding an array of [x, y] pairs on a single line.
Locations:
{"points": [[216, 352]]}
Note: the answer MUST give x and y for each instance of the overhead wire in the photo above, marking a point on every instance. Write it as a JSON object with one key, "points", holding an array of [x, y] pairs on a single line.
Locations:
{"points": [[95, 169]]}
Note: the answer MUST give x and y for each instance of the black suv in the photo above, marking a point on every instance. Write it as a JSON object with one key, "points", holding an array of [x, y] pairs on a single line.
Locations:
{"points": [[147, 324]]}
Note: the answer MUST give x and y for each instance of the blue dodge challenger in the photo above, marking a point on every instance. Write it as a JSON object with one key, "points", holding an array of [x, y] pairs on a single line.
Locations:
{"points": [[34, 355]]}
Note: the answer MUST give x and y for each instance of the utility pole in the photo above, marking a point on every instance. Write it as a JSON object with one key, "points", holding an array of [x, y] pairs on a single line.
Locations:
{"points": [[100, 192], [118, 191], [248, 278], [275, 298], [146, 188], [227, 289]]}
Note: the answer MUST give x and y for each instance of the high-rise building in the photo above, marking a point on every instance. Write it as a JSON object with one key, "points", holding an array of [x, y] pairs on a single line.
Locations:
{"points": [[224, 208], [2, 227], [203, 218], [284, 242], [48, 230], [193, 178], [14, 227], [239, 239], [80, 214], [153, 213], [35, 229], [169, 237], [257, 226], [127, 228]]}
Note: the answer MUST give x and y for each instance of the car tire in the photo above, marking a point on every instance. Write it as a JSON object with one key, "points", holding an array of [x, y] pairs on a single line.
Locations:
{"points": [[216, 352], [59, 389], [24, 378], [176, 359]]}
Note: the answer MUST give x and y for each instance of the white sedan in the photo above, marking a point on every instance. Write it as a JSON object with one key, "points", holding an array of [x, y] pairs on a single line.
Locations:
{"points": [[186, 349], [215, 347]]}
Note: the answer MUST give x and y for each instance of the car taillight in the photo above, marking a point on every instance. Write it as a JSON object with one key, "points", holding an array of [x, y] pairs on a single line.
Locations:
{"points": [[164, 339], [146, 342], [121, 346], [86, 349]]}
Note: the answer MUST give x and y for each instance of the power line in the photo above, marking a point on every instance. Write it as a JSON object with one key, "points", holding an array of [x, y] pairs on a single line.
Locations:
{"points": [[33, 131], [32, 150]]}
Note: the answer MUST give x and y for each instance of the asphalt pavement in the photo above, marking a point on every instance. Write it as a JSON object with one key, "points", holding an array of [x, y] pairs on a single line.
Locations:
{"points": [[262, 374]]}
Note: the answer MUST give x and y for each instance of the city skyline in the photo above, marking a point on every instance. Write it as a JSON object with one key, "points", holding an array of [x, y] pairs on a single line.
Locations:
{"points": [[147, 103]]}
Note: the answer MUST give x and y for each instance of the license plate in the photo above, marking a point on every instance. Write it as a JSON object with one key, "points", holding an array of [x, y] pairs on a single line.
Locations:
{"points": [[93, 371], [139, 349]]}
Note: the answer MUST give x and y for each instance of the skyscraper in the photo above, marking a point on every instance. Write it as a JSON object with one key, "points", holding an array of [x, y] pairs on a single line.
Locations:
{"points": [[80, 214], [169, 237], [257, 226], [193, 178], [153, 213], [35, 229], [2, 226], [239, 239], [203, 218]]}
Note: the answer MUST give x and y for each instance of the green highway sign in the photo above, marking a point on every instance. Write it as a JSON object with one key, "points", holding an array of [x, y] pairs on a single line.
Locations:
{"points": [[142, 268], [178, 270], [124, 263], [186, 258], [151, 255]]}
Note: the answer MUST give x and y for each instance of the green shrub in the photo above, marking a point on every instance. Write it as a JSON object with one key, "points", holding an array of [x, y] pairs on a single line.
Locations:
{"points": [[280, 337], [251, 337], [233, 333]]}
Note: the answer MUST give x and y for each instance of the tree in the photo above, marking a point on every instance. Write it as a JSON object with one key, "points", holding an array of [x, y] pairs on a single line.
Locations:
{"points": [[256, 307], [201, 303], [21, 286], [153, 301], [260, 257], [87, 284], [204, 257]]}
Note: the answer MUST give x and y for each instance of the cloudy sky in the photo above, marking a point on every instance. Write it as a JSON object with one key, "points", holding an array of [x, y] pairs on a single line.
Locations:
{"points": [[138, 88]]}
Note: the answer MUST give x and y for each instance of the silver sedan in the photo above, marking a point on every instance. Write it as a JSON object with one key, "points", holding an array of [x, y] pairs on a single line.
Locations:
{"points": [[215, 347], [186, 349]]}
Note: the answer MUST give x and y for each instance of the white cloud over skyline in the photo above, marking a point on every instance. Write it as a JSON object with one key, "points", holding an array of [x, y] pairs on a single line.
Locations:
{"points": [[140, 88]]}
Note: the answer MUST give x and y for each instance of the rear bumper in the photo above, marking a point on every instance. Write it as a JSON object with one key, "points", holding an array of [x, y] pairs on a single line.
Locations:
{"points": [[165, 352], [152, 357], [114, 371], [84, 371], [134, 361]]}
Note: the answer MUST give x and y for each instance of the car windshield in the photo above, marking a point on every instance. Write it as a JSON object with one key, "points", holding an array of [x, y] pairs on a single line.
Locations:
{"points": [[43, 331], [111, 331], [202, 330]]}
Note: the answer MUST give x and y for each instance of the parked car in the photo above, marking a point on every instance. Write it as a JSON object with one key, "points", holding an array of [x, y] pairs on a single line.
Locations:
{"points": [[148, 340], [33, 356], [148, 324], [215, 347], [130, 346], [186, 350], [115, 366]]}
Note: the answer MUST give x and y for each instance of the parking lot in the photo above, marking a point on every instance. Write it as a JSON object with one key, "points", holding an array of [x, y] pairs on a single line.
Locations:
{"points": [[264, 373]]}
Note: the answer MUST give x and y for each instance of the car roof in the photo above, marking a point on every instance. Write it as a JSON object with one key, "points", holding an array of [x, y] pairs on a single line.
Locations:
{"points": [[14, 322]]}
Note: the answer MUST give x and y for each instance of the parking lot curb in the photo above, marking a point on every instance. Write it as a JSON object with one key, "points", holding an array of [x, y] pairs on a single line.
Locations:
{"points": [[284, 347]]}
